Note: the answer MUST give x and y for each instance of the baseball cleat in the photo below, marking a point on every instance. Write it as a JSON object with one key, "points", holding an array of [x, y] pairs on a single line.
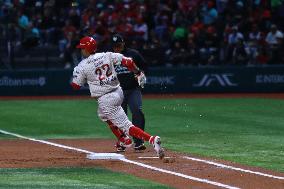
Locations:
{"points": [[121, 146], [156, 142], [139, 147], [127, 142]]}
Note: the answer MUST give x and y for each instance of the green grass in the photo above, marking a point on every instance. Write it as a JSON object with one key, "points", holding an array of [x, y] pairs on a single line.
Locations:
{"points": [[71, 178], [53, 119], [247, 131]]}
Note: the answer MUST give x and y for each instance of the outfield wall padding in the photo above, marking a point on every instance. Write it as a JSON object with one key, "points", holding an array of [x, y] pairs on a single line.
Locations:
{"points": [[159, 80]]}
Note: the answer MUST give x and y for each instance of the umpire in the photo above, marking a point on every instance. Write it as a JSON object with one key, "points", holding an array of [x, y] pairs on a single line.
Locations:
{"points": [[131, 89]]}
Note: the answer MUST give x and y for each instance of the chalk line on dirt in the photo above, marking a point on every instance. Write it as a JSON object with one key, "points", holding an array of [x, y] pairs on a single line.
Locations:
{"points": [[233, 168], [124, 160]]}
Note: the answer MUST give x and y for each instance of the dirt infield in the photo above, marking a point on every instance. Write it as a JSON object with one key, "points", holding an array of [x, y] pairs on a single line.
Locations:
{"points": [[26, 154]]}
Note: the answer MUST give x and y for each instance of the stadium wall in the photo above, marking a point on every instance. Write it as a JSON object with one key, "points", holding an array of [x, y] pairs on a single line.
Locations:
{"points": [[159, 80]]}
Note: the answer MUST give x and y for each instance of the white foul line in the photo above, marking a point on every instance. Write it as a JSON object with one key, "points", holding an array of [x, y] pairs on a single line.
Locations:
{"points": [[234, 168], [127, 161], [46, 142], [180, 174]]}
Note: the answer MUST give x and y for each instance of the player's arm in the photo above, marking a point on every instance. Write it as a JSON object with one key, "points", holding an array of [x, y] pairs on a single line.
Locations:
{"points": [[79, 78], [131, 66], [129, 63], [117, 58]]}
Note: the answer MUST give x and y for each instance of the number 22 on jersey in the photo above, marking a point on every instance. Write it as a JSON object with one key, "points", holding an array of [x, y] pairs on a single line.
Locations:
{"points": [[103, 71]]}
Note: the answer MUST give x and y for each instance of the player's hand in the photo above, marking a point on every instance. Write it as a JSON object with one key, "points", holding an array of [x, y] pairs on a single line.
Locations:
{"points": [[141, 79]]}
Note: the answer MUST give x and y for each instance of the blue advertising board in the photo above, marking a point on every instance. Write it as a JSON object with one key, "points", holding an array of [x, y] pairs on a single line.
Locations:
{"points": [[159, 80]]}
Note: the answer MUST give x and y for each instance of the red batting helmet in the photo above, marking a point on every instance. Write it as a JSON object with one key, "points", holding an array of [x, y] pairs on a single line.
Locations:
{"points": [[88, 43]]}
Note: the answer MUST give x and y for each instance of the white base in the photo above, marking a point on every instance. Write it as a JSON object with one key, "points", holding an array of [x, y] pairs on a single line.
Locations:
{"points": [[113, 156]]}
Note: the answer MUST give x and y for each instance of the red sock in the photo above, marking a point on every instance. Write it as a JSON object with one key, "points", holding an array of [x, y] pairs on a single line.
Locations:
{"points": [[116, 131], [139, 133]]}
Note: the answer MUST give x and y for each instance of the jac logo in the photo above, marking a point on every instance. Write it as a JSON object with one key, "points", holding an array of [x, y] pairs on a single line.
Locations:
{"points": [[222, 79]]}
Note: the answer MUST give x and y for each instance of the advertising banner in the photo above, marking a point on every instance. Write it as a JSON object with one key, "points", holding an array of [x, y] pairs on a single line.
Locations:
{"points": [[159, 80]]}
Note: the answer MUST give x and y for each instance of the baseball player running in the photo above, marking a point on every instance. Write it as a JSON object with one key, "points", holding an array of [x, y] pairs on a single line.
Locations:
{"points": [[97, 69], [131, 89]]}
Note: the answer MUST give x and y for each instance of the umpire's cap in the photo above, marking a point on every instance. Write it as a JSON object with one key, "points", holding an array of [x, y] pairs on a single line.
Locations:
{"points": [[117, 39]]}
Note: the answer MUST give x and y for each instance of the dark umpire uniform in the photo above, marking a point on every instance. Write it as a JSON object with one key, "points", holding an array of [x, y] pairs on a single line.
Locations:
{"points": [[131, 89]]}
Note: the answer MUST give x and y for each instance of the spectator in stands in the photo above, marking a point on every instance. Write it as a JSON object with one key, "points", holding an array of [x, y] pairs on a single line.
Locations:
{"points": [[209, 13], [274, 40], [254, 34], [180, 33], [266, 21], [126, 27], [177, 55], [221, 5], [67, 44], [141, 30], [262, 56], [192, 50], [67, 31], [254, 48], [239, 12], [70, 55], [153, 50], [23, 23], [49, 22], [32, 37], [209, 51], [196, 26], [276, 3], [235, 36], [240, 53], [153, 25], [161, 28]]}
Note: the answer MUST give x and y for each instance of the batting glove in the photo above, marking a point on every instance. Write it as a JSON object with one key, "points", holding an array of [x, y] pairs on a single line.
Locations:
{"points": [[141, 79]]}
